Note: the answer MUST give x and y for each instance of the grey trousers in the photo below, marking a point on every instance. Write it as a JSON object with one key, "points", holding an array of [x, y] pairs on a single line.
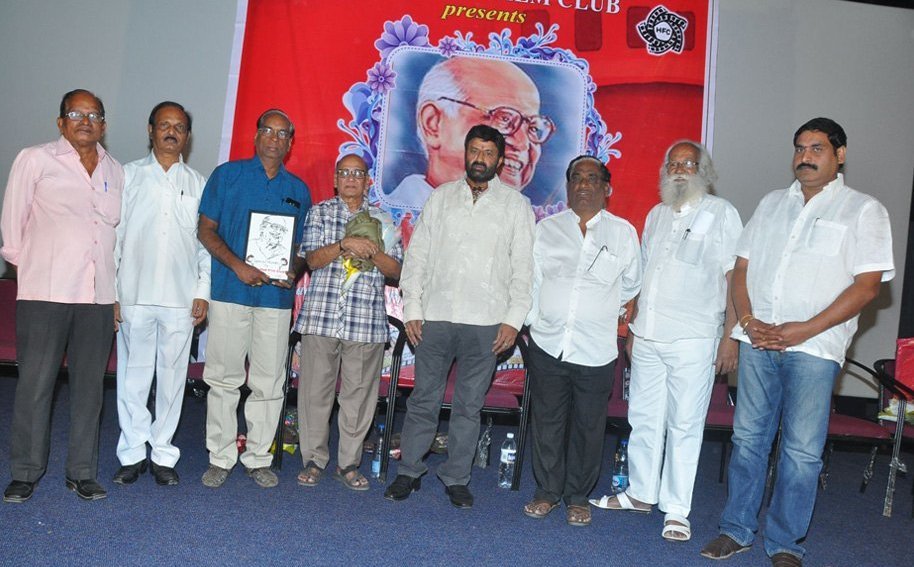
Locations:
{"points": [[358, 365], [441, 343], [43, 331]]}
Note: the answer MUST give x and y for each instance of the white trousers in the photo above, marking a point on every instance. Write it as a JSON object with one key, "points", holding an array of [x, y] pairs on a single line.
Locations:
{"points": [[668, 403], [261, 335], [152, 341]]}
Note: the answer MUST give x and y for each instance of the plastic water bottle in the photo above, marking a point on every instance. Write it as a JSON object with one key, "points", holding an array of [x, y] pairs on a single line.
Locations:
{"points": [[506, 465], [626, 382], [378, 451], [620, 467]]}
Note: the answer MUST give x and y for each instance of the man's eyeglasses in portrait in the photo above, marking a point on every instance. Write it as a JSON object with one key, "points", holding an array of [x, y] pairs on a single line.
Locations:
{"points": [[508, 120]]}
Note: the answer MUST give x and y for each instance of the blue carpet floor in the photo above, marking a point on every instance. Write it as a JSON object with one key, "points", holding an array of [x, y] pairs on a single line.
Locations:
{"points": [[241, 524]]}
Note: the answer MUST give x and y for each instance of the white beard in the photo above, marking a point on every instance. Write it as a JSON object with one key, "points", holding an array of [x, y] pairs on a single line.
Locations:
{"points": [[675, 192]]}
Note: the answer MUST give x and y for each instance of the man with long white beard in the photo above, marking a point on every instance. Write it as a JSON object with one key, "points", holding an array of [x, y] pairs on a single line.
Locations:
{"points": [[676, 345]]}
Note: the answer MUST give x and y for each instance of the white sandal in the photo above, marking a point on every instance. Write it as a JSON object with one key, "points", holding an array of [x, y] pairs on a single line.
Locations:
{"points": [[682, 527], [624, 503]]}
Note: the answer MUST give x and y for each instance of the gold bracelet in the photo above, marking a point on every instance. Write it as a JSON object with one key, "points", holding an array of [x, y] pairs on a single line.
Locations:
{"points": [[745, 320]]}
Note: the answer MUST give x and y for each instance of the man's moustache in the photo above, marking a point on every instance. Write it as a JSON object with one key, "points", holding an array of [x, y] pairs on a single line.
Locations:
{"points": [[809, 165], [171, 138]]}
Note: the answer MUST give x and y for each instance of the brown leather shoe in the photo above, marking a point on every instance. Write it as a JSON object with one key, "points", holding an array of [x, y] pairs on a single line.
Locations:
{"points": [[784, 559], [723, 547]]}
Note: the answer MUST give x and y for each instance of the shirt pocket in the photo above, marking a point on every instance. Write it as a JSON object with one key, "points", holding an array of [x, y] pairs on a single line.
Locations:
{"points": [[107, 206], [606, 267], [826, 237], [186, 209], [691, 247]]}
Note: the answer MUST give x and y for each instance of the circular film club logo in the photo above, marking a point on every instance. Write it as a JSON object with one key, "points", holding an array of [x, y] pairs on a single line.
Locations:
{"points": [[663, 31]]}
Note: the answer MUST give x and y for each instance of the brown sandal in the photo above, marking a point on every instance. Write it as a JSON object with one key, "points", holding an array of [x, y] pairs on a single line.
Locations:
{"points": [[310, 475], [578, 515], [539, 509], [351, 478]]}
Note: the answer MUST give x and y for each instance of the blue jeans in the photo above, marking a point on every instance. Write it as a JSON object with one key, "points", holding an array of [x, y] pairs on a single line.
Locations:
{"points": [[794, 388]]}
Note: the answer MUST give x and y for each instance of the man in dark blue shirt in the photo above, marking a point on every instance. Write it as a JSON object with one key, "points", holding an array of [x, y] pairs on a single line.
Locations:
{"points": [[248, 319]]}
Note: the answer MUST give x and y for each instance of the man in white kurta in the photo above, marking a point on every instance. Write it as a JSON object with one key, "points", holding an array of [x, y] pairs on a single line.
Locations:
{"points": [[677, 346], [163, 285]]}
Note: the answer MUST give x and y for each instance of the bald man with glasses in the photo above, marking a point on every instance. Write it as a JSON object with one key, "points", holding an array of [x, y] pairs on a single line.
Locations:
{"points": [[343, 326], [455, 95]]}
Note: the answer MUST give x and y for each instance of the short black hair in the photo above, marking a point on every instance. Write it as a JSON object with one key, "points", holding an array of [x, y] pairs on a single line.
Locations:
{"points": [[486, 134], [165, 104], [607, 176], [835, 133], [66, 99], [270, 112]]}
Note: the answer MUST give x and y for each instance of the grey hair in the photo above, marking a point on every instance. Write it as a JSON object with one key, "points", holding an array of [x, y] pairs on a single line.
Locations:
{"points": [[705, 166]]}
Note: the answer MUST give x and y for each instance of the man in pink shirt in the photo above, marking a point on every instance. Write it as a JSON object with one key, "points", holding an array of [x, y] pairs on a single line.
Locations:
{"points": [[62, 202]]}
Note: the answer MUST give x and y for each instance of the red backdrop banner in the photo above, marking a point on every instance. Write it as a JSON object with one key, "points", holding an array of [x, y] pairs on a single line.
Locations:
{"points": [[392, 81]]}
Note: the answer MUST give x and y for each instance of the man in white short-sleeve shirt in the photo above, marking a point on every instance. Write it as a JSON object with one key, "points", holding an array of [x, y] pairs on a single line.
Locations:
{"points": [[810, 259]]}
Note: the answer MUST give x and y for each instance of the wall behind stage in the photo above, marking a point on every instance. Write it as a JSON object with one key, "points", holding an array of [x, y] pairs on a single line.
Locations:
{"points": [[779, 63]]}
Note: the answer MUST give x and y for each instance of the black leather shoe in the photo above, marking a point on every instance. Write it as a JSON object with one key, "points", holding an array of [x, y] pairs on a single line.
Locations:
{"points": [[460, 495], [165, 476], [87, 489], [402, 487], [19, 491], [129, 473]]}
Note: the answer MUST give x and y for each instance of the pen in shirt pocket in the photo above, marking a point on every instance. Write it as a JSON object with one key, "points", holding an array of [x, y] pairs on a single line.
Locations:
{"points": [[602, 248]]}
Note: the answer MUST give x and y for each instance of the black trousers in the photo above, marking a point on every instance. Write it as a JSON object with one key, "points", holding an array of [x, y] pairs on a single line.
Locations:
{"points": [[44, 330], [567, 425]]}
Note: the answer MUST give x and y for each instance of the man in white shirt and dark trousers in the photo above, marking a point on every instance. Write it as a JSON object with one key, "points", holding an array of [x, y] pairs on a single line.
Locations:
{"points": [[466, 290], [810, 259], [586, 268], [679, 336], [163, 281]]}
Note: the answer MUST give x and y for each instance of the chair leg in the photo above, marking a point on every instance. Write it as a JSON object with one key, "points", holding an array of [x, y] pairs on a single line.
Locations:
{"points": [[868, 471], [724, 448], [896, 464], [276, 464], [522, 434], [826, 463]]}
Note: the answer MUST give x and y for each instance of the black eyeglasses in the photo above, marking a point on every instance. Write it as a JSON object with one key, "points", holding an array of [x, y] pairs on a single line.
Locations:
{"points": [[508, 120]]}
